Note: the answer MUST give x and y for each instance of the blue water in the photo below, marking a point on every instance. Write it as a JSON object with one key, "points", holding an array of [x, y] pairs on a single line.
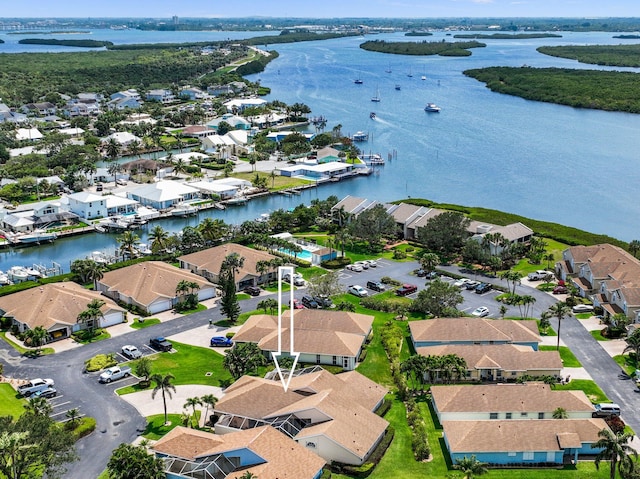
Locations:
{"points": [[304, 254], [544, 161]]}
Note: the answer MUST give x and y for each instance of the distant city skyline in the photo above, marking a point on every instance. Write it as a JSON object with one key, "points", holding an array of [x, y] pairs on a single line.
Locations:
{"points": [[326, 9]]}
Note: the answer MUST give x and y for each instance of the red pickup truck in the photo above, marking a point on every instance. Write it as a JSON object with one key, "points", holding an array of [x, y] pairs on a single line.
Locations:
{"points": [[406, 289]]}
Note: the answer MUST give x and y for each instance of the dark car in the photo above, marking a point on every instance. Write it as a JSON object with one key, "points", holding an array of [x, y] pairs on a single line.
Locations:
{"points": [[376, 286], [406, 289], [560, 290], [160, 344], [221, 341], [323, 301], [420, 273], [309, 302], [252, 290], [431, 275], [483, 288]]}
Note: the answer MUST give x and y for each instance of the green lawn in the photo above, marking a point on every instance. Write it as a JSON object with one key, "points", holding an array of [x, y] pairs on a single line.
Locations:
{"points": [[568, 359], [583, 315], [26, 351], [590, 388], [145, 323], [627, 363], [10, 404], [597, 334], [156, 428], [189, 365]]}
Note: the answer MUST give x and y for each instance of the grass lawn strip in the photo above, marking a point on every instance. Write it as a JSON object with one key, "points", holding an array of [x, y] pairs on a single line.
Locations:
{"points": [[22, 349], [145, 323], [568, 359], [10, 404]]}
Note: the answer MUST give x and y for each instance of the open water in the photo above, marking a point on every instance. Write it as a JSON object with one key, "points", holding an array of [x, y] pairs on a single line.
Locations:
{"points": [[549, 162]]}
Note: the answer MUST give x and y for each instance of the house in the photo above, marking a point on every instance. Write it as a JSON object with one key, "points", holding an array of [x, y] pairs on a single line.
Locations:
{"points": [[512, 234], [218, 90], [222, 146], [36, 216], [126, 103], [30, 134], [117, 205], [278, 136], [319, 172], [322, 337], [122, 138], [146, 166], [500, 362], [224, 188], [55, 307], [197, 131], [87, 205], [39, 109], [160, 95], [331, 415], [130, 93], [9, 116], [236, 122], [264, 452], [207, 263], [530, 400], [474, 331], [163, 195], [267, 120], [238, 105], [151, 286], [192, 93], [522, 442]]}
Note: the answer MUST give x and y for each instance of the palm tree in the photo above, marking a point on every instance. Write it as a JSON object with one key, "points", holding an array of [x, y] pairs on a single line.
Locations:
{"points": [[633, 345], [559, 310], [192, 403], [114, 169], [112, 149], [38, 406], [560, 413], [549, 258], [545, 321], [470, 467], [616, 450], [209, 400], [247, 475], [127, 241], [503, 310], [163, 384], [232, 263], [94, 271], [11, 446], [37, 336], [158, 237], [634, 247], [91, 314], [73, 415], [429, 261], [524, 304], [134, 148]]}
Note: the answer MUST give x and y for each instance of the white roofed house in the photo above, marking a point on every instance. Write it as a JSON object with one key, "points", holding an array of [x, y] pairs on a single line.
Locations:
{"points": [[118, 205], [223, 188], [237, 105], [163, 194], [161, 95], [236, 122], [88, 205], [123, 138], [31, 134]]}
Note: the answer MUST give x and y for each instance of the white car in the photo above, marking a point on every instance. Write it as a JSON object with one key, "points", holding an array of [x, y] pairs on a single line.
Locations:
{"points": [[582, 308], [480, 312], [355, 267], [461, 282], [372, 263], [131, 352], [358, 291], [363, 264]]}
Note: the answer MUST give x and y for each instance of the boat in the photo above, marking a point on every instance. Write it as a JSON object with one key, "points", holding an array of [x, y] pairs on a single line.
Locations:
{"points": [[99, 257], [372, 159], [388, 70], [423, 77], [360, 136], [237, 200], [17, 274], [4, 279], [372, 115], [143, 249], [432, 108], [184, 209], [397, 87], [358, 81], [36, 236], [376, 98], [410, 74], [219, 206]]}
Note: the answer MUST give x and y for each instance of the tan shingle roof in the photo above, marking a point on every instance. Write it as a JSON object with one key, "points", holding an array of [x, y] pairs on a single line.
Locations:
{"points": [[148, 281], [474, 329], [211, 259], [507, 357], [336, 333], [518, 435], [538, 397], [345, 402], [284, 458], [51, 304]]}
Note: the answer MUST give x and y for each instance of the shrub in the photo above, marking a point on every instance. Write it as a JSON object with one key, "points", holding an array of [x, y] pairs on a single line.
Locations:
{"points": [[86, 426], [230, 335], [615, 423], [99, 362], [337, 263], [409, 249], [363, 355], [384, 408], [391, 281], [399, 254]]}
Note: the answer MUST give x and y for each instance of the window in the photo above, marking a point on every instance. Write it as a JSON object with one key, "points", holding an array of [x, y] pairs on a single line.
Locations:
{"points": [[317, 359], [527, 456], [499, 373], [508, 415], [523, 414], [493, 415], [513, 373], [334, 360], [511, 454], [540, 415]]}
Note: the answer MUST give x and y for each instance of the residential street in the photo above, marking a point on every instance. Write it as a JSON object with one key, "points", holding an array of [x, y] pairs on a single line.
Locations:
{"points": [[118, 421]]}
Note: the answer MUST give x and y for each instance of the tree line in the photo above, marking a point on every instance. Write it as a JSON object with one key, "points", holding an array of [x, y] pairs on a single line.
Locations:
{"points": [[442, 48], [610, 55]]}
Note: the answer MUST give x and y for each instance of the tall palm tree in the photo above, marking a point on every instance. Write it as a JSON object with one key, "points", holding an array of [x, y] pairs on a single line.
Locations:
{"points": [[559, 310], [91, 314], [633, 345], [193, 403], [158, 237], [94, 271], [616, 450], [127, 241], [525, 303], [163, 384], [232, 263], [38, 406], [37, 336], [470, 467], [113, 169], [112, 149], [209, 400]]}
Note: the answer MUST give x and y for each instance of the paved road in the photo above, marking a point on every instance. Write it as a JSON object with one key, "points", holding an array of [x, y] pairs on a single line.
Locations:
{"points": [[119, 422]]}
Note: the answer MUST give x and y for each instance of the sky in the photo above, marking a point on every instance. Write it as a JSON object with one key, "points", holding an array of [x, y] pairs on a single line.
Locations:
{"points": [[326, 8]]}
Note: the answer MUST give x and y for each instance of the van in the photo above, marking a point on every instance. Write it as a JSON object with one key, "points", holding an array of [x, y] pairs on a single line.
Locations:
{"points": [[606, 410], [375, 285]]}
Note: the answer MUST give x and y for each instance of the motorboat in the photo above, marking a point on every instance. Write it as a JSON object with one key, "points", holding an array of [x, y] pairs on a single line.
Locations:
{"points": [[372, 115], [17, 274], [358, 81], [36, 236], [143, 249], [432, 108], [237, 200], [184, 209], [398, 87], [360, 136], [376, 98], [4, 279], [99, 257]]}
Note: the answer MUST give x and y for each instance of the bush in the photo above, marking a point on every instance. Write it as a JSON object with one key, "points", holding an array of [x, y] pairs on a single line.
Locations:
{"points": [[399, 254], [99, 362], [337, 263], [86, 426], [391, 281], [230, 335], [384, 408], [363, 355]]}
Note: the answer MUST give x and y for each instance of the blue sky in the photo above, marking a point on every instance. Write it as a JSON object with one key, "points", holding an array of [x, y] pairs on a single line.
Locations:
{"points": [[326, 8]]}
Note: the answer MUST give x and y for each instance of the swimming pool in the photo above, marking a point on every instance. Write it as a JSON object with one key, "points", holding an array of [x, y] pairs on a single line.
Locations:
{"points": [[303, 255]]}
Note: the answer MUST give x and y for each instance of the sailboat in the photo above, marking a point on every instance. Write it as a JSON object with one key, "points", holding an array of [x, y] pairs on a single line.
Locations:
{"points": [[388, 70], [376, 98], [424, 77], [409, 74]]}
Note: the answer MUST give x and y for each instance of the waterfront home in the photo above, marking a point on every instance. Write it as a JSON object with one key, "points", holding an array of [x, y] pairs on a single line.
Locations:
{"points": [[146, 166], [122, 138], [218, 90], [197, 131], [278, 136], [55, 307], [187, 158], [322, 337], [471, 330], [237, 105], [512, 233], [221, 146], [39, 215], [102, 175], [267, 120], [207, 263], [318, 172], [160, 95], [118, 205], [263, 451], [531, 400], [523, 443], [332, 415], [151, 286], [220, 189], [163, 195], [499, 362], [236, 122], [87, 205]]}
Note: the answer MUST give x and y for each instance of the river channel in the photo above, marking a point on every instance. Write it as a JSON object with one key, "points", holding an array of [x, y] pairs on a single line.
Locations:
{"points": [[545, 161]]}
